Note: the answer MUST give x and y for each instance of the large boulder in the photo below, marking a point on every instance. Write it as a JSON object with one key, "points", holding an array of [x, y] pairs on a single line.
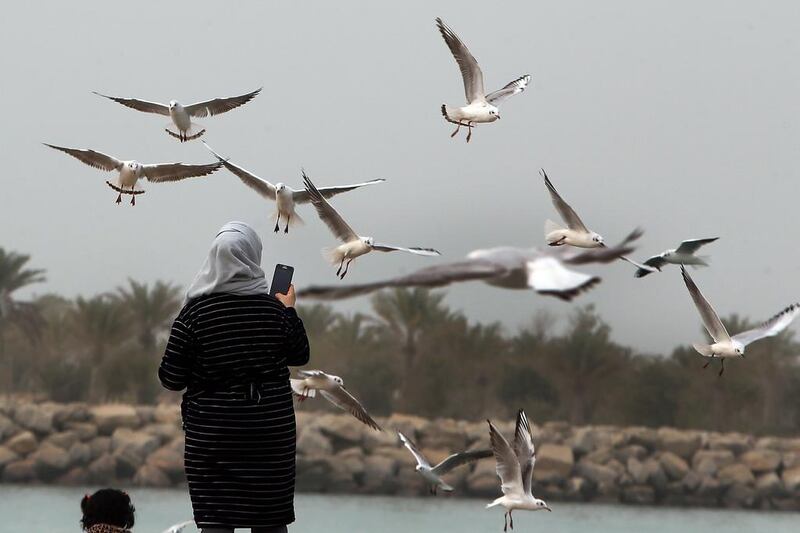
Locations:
{"points": [[735, 474], [74, 477], [737, 496], [313, 443], [21, 471], [778, 444], [769, 485], [554, 462], [443, 433], [62, 439], [377, 439], [50, 461], [312, 473], [85, 431], [102, 470], [150, 476], [642, 436], [737, 443], [378, 475], [483, 481], [598, 474], [167, 413], [8, 428], [22, 443], [632, 450], [761, 460], [343, 431], [80, 454], [130, 449], [680, 442], [110, 417], [674, 466], [168, 460], [639, 494], [100, 446], [708, 462], [34, 417], [7, 456], [791, 479]]}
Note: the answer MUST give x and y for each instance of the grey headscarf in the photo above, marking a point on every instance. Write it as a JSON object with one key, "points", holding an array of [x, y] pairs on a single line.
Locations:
{"points": [[233, 264]]}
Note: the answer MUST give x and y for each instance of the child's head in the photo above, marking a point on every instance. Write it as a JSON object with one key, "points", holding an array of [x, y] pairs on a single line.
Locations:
{"points": [[107, 506]]}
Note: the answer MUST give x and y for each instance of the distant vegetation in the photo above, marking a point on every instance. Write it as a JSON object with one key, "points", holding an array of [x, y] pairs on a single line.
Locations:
{"points": [[410, 353]]}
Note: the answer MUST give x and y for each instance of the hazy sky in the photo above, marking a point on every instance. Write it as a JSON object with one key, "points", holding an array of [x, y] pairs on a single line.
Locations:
{"points": [[678, 116]]}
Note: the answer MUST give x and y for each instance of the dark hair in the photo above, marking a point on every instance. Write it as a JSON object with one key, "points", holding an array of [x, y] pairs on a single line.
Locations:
{"points": [[107, 506]]}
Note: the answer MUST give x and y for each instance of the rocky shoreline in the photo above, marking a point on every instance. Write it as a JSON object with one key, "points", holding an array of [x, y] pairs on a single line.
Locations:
{"points": [[117, 444]]}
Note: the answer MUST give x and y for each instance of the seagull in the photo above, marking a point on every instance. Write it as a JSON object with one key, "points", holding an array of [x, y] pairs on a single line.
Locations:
{"points": [[177, 528], [576, 233], [724, 345], [353, 245], [481, 107], [332, 389], [130, 172], [284, 196], [682, 255], [433, 474], [182, 115], [515, 468], [545, 271]]}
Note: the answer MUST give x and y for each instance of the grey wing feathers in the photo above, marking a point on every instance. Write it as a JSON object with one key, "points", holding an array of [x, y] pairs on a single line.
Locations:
{"points": [[261, 186], [216, 106], [470, 71], [328, 214], [515, 87], [507, 466], [92, 158], [414, 250], [524, 450], [690, 246], [178, 171], [605, 254], [458, 459], [570, 217], [329, 192], [771, 327], [139, 105], [344, 400], [408, 443], [710, 318]]}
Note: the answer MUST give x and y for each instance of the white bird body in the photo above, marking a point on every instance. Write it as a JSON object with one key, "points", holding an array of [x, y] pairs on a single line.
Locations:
{"points": [[284, 200], [179, 116], [674, 257], [349, 250], [523, 502], [433, 480], [557, 236], [129, 175], [476, 112], [682, 255]]}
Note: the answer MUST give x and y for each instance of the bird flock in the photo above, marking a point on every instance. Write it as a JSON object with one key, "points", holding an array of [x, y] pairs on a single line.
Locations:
{"points": [[548, 270]]}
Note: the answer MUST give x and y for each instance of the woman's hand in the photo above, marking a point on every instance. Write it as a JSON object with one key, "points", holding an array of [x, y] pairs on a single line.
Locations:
{"points": [[287, 299]]}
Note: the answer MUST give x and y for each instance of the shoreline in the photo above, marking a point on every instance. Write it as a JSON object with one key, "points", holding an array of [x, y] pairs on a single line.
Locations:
{"points": [[46, 443]]}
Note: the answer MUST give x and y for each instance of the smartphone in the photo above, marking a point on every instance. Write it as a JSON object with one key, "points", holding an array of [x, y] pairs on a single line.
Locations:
{"points": [[281, 279]]}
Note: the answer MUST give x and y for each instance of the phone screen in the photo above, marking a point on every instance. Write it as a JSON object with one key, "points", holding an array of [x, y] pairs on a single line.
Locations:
{"points": [[281, 279]]}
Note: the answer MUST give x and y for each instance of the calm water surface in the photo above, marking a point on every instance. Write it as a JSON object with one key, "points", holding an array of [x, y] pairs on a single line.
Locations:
{"points": [[56, 510]]}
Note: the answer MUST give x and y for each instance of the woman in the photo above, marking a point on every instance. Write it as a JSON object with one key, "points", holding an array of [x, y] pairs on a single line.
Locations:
{"points": [[229, 348]]}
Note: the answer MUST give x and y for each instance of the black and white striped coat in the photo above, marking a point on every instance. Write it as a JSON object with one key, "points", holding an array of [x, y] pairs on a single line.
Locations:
{"points": [[231, 353]]}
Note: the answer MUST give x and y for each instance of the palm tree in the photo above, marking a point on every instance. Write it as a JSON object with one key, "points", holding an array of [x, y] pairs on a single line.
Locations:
{"points": [[317, 318], [151, 309], [101, 324], [14, 276]]}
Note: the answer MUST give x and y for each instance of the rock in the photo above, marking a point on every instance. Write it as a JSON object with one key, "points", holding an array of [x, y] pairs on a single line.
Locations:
{"points": [[681, 443], [7, 456], [708, 462], [84, 430], [655, 474], [769, 485], [709, 487], [691, 481], [146, 413], [778, 444], [22, 443], [626, 452], [21, 471], [138, 442], [760, 461], [577, 489], [376, 439], [674, 466], [80, 454], [50, 461], [150, 476], [75, 477], [584, 440], [102, 470], [597, 474], [735, 474], [736, 443], [443, 434], [739, 496], [164, 432], [637, 471], [409, 425], [554, 462], [343, 431], [639, 494], [100, 446], [312, 473], [110, 417], [601, 455], [378, 474], [483, 482], [791, 479], [34, 417], [169, 461], [62, 439], [8, 428], [790, 460], [168, 414], [642, 436], [313, 443]]}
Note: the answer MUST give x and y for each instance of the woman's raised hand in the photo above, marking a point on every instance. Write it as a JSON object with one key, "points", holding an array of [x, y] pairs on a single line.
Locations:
{"points": [[287, 299]]}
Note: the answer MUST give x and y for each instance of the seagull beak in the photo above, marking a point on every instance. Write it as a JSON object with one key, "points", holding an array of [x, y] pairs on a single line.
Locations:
{"points": [[549, 509], [498, 116]]}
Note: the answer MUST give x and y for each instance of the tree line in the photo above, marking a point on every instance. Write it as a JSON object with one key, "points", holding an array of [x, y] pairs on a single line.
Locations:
{"points": [[409, 353]]}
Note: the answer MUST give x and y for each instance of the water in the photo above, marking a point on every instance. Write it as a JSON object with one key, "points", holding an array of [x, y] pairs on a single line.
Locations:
{"points": [[56, 510]]}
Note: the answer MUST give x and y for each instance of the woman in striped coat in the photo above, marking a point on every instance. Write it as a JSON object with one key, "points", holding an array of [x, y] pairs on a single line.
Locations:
{"points": [[230, 348]]}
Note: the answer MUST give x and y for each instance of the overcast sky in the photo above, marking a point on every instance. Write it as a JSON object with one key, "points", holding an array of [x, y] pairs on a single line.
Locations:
{"points": [[681, 117]]}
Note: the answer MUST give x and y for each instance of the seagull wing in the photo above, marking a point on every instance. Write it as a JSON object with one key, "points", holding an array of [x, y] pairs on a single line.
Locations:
{"points": [[570, 217], [421, 460], [261, 186], [690, 246], [139, 105], [328, 214], [431, 277], [524, 450], [177, 528], [419, 251], [771, 327], [342, 399], [178, 171], [90, 157], [548, 276], [508, 468], [710, 317], [458, 459], [604, 254], [470, 71], [310, 373], [302, 197], [219, 105], [515, 87]]}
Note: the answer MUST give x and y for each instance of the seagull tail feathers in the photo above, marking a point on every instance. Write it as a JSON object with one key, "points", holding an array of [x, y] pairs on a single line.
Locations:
{"points": [[446, 112], [550, 227], [195, 131], [333, 255], [703, 349], [299, 390], [494, 503]]}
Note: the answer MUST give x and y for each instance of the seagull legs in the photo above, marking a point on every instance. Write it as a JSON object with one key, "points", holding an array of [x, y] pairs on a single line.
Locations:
{"points": [[119, 198], [510, 519], [458, 128], [288, 218], [722, 369], [277, 222], [706, 365], [341, 264], [469, 136], [505, 522], [346, 268]]}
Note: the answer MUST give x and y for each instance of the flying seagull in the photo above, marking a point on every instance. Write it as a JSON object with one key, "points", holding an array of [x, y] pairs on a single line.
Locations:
{"points": [[182, 115], [332, 389], [576, 233], [515, 469], [178, 528], [284, 196], [545, 271], [682, 255], [433, 474], [353, 245], [724, 345], [481, 107], [130, 172]]}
